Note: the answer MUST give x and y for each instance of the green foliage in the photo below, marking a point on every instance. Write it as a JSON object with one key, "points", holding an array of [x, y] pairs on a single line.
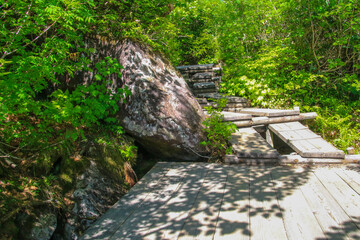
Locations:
{"points": [[115, 150], [276, 53], [218, 132], [40, 42]]}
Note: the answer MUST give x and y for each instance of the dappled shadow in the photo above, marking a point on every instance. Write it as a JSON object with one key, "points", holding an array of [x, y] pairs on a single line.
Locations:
{"points": [[346, 230], [353, 167], [201, 200]]}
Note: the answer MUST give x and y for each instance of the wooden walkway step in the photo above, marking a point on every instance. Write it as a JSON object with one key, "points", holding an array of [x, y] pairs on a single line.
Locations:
{"points": [[266, 112], [305, 142], [248, 143], [231, 116]]}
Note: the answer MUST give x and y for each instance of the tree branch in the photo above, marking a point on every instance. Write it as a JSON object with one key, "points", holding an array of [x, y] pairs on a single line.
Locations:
{"points": [[313, 41], [43, 32]]}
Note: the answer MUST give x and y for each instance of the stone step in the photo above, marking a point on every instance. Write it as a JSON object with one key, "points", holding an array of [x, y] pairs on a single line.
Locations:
{"points": [[202, 100], [232, 99], [213, 79], [203, 91], [196, 67], [237, 105], [206, 85], [202, 75]]}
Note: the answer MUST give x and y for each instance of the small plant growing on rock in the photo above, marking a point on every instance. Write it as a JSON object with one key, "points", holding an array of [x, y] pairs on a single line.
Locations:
{"points": [[218, 132]]}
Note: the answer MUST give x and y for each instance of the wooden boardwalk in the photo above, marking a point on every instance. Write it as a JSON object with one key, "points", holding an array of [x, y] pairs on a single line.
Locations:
{"points": [[213, 201]]}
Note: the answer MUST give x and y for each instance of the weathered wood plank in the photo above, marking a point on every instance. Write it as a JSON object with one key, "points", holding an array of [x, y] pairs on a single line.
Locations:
{"points": [[169, 219], [355, 158], [233, 221], [109, 222], [341, 192], [301, 134], [265, 214], [201, 222], [135, 226], [247, 143], [231, 116], [317, 148], [299, 220], [265, 112], [286, 159], [305, 142], [269, 137], [327, 211], [235, 110], [288, 126], [274, 120], [351, 177]]}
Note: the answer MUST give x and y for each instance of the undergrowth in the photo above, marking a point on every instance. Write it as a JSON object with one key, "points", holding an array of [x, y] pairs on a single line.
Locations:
{"points": [[49, 178], [218, 132], [275, 79]]}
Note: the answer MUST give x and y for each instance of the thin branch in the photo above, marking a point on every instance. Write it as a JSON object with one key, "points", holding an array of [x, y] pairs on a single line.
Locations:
{"points": [[44, 31], [313, 41], [26, 14]]}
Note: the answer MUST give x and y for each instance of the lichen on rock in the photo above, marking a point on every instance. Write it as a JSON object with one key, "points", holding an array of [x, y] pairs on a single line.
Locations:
{"points": [[161, 113]]}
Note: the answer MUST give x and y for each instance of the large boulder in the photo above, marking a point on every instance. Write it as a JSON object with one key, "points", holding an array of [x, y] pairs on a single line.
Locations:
{"points": [[162, 113]]}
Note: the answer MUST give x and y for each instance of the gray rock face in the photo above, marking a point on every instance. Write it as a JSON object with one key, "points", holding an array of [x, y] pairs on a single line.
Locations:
{"points": [[41, 225], [45, 227], [162, 114], [94, 194]]}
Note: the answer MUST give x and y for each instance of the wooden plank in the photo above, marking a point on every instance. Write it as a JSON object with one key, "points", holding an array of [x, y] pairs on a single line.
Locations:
{"points": [[169, 219], [201, 222], [288, 126], [109, 222], [286, 159], [233, 221], [329, 214], [305, 142], [231, 116], [301, 134], [140, 220], [345, 196], [274, 120], [351, 177], [355, 158], [299, 220], [247, 143], [269, 138], [265, 214], [265, 112], [317, 148]]}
